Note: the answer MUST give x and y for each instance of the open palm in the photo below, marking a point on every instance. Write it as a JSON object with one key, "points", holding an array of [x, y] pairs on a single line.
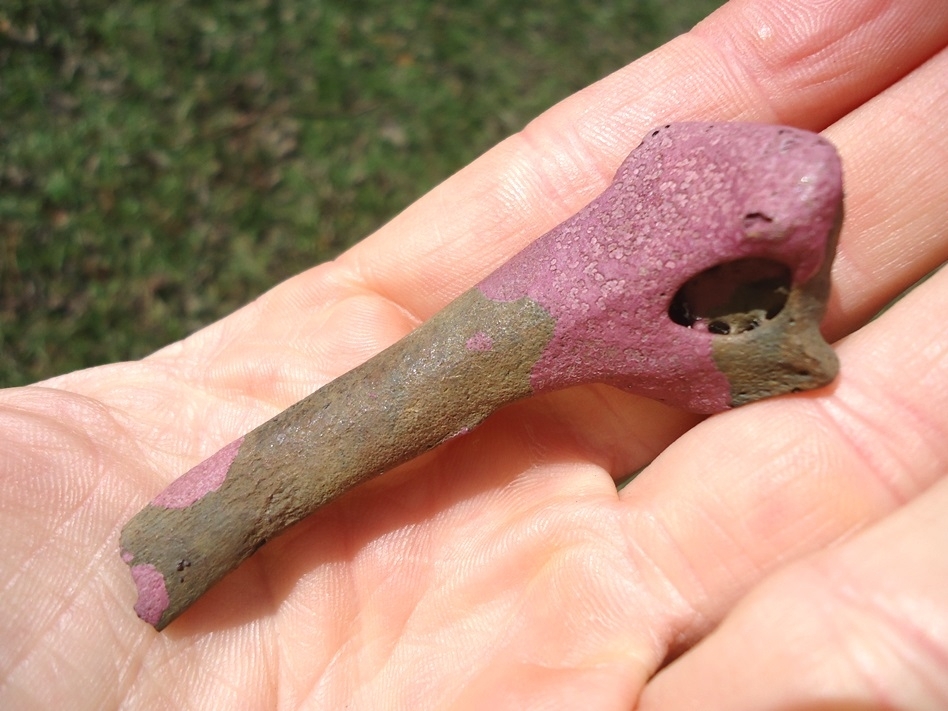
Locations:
{"points": [[776, 556]]}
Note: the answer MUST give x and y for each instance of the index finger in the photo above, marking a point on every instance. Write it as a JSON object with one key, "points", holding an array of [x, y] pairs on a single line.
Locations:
{"points": [[805, 64]]}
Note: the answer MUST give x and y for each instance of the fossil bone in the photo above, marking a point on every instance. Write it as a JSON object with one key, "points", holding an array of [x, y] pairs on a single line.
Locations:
{"points": [[698, 278]]}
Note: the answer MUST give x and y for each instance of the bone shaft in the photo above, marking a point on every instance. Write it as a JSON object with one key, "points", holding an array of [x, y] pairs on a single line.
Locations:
{"points": [[443, 379]]}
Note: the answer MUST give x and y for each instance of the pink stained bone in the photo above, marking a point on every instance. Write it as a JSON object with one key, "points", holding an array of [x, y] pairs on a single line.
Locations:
{"points": [[687, 199], [199, 481], [480, 341], [152, 594]]}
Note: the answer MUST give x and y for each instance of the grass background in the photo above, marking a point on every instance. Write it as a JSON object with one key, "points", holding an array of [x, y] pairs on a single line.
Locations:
{"points": [[163, 163]]}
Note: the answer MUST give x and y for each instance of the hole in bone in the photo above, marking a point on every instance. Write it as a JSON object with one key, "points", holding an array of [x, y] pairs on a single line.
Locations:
{"points": [[733, 297], [752, 219]]}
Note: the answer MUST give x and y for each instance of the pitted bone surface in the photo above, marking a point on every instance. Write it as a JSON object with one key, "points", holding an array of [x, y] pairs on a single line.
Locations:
{"points": [[691, 196]]}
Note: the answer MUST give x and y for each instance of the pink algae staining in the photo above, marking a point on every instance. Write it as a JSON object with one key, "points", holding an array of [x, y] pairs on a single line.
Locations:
{"points": [[200, 481], [480, 341], [152, 594]]}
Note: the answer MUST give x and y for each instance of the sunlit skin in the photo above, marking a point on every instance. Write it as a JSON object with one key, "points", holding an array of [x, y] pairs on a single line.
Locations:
{"points": [[779, 555]]}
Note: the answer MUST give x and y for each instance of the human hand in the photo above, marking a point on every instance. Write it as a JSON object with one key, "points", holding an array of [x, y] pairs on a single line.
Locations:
{"points": [[776, 556]]}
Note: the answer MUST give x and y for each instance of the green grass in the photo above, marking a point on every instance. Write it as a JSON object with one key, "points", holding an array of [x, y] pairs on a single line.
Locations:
{"points": [[162, 163]]}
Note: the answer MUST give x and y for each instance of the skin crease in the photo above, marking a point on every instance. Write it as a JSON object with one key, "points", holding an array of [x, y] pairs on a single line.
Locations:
{"points": [[502, 570]]}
